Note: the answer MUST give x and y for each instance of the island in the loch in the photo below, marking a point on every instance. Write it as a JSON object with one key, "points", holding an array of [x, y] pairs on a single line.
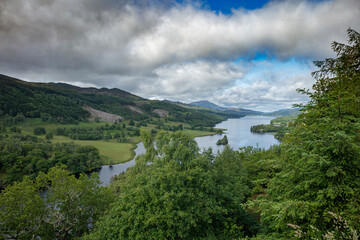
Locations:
{"points": [[222, 141]]}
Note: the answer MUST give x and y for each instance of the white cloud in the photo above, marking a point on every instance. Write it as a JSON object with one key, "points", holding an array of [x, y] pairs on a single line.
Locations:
{"points": [[269, 87], [176, 51]]}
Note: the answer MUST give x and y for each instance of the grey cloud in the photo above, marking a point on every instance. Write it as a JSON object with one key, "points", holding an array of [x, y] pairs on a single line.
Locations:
{"points": [[159, 48], [265, 96]]}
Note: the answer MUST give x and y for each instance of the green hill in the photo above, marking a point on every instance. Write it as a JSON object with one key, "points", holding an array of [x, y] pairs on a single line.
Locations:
{"points": [[64, 103]]}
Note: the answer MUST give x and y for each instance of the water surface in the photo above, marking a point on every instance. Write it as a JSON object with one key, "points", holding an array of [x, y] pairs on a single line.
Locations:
{"points": [[106, 172], [239, 134]]}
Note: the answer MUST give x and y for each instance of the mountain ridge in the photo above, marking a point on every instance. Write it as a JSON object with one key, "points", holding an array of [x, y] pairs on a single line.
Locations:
{"points": [[64, 103]]}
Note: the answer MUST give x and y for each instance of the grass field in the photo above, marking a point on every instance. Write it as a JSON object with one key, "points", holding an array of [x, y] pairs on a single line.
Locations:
{"points": [[110, 152]]}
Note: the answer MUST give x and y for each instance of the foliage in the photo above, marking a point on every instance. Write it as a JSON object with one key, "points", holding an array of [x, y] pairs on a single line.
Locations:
{"points": [[22, 210], [265, 128], [62, 103], [321, 161], [174, 192], [67, 209], [223, 141], [39, 131], [340, 230], [22, 155], [280, 126]]}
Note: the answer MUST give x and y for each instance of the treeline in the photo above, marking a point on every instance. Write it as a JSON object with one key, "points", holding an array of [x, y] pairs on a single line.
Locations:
{"points": [[279, 126], [55, 205], [35, 102], [262, 128], [25, 155]]}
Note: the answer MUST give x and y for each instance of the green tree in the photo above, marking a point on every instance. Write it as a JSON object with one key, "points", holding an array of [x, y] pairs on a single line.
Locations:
{"points": [[321, 167], [22, 211], [131, 123], [182, 194], [49, 136], [68, 208], [39, 130]]}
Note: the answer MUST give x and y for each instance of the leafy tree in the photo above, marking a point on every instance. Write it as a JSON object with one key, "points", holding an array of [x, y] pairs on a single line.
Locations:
{"points": [[321, 167], [182, 194], [24, 155], [56, 206], [39, 130], [223, 141], [49, 136], [22, 211], [131, 123]]}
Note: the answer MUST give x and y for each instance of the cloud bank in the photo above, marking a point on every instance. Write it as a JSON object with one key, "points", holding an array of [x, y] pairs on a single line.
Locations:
{"points": [[163, 49]]}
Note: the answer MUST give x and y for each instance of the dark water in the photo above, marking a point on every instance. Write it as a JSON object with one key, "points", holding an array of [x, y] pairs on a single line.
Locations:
{"points": [[238, 134]]}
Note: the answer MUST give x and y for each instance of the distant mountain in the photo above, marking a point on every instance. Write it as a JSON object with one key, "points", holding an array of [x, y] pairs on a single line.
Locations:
{"points": [[208, 104], [284, 112], [244, 111], [236, 111]]}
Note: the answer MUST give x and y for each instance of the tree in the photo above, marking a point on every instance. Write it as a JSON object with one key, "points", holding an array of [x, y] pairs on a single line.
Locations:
{"points": [[54, 206], [22, 211], [131, 123], [223, 141], [39, 130], [321, 167], [182, 194]]}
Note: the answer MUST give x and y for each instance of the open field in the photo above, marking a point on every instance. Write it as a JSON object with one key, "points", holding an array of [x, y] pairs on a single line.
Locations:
{"points": [[110, 152]]}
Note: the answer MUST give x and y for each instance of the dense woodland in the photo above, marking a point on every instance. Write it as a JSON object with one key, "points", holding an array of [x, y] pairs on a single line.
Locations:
{"points": [[22, 155], [308, 187], [62, 103], [279, 126]]}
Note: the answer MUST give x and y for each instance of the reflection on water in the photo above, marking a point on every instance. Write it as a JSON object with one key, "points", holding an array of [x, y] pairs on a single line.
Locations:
{"points": [[238, 133]]}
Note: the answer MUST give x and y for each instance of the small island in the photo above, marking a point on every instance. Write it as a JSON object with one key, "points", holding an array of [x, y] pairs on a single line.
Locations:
{"points": [[223, 141]]}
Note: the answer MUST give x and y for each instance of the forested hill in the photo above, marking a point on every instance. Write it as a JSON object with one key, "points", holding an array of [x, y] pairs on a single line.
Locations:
{"points": [[233, 111], [64, 103]]}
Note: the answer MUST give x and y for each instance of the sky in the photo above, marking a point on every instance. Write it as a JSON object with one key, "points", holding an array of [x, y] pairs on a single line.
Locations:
{"points": [[243, 54]]}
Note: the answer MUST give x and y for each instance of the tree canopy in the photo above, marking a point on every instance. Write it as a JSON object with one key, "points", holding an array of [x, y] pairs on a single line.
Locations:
{"points": [[321, 165], [54, 206], [174, 192]]}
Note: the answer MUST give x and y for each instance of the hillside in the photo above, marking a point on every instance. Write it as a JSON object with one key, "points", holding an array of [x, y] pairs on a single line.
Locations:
{"points": [[284, 112], [64, 103], [234, 111], [208, 104]]}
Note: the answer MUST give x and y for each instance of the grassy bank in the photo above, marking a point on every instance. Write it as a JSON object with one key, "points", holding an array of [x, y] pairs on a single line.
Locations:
{"points": [[110, 152]]}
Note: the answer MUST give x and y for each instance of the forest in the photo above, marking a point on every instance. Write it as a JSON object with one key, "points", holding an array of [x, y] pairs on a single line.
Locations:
{"points": [[62, 103], [307, 187]]}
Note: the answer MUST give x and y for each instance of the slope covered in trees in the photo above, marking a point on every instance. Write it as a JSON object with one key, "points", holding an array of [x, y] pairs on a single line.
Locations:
{"points": [[63, 103]]}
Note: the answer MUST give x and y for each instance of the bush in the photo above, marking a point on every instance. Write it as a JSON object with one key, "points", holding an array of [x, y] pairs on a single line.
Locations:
{"points": [[39, 131]]}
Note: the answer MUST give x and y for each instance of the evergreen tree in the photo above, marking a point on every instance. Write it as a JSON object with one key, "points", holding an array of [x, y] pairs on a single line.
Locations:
{"points": [[321, 167]]}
